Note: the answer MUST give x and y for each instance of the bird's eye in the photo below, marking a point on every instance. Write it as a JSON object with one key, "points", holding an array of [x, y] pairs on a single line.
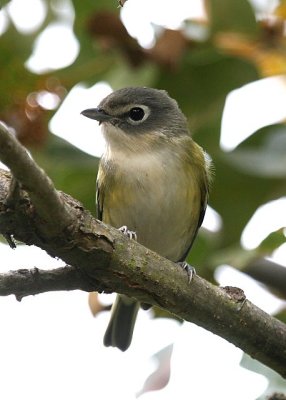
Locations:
{"points": [[136, 114]]}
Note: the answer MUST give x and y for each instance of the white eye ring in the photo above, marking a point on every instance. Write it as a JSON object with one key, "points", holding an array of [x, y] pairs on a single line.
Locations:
{"points": [[137, 114]]}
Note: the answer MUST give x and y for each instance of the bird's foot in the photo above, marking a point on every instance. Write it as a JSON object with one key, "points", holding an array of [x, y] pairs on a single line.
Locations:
{"points": [[128, 233], [190, 270]]}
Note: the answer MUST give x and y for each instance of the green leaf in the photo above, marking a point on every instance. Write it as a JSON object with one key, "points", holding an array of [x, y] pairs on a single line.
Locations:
{"points": [[233, 255], [232, 15], [282, 315], [123, 75], [16, 81], [3, 3], [248, 177], [272, 241], [84, 10], [263, 154], [71, 170], [205, 77], [236, 195]]}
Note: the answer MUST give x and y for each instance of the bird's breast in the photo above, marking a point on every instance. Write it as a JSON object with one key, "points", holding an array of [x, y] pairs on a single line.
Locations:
{"points": [[157, 196]]}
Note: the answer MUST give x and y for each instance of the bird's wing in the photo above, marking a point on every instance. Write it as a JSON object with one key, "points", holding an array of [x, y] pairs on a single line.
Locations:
{"points": [[204, 202], [204, 185], [99, 200]]}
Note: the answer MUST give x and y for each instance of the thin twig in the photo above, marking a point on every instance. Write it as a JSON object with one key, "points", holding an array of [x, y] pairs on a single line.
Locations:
{"points": [[26, 282]]}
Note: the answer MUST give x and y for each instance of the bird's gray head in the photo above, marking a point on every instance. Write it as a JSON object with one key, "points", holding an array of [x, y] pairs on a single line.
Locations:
{"points": [[138, 111]]}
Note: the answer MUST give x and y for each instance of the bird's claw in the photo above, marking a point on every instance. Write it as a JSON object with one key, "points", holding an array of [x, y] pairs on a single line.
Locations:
{"points": [[190, 270], [128, 233]]}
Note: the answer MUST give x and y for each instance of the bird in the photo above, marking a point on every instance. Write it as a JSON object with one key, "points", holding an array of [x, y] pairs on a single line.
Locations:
{"points": [[152, 184]]}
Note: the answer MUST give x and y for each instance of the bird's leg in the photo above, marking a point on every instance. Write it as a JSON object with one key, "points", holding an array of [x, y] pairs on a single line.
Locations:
{"points": [[128, 233], [190, 270]]}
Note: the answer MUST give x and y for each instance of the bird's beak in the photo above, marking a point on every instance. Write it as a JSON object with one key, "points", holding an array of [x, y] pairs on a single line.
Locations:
{"points": [[96, 113]]}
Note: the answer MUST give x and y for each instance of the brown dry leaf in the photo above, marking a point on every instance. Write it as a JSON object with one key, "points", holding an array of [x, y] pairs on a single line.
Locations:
{"points": [[95, 305], [280, 11], [27, 116], [169, 48], [108, 25], [110, 33], [272, 63], [29, 123], [269, 58]]}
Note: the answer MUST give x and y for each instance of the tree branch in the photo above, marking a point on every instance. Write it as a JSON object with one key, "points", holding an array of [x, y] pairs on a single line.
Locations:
{"points": [[25, 282], [105, 260], [39, 186]]}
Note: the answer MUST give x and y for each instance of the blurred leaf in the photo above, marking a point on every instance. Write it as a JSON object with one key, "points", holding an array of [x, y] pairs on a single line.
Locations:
{"points": [[89, 7], [29, 123], [111, 34], [91, 63], [71, 170], [161, 376], [231, 15], [267, 53], [15, 81], [236, 195], [237, 191], [84, 11], [233, 255], [280, 10], [205, 79], [272, 241], [263, 154], [123, 75], [95, 305], [3, 3], [282, 315], [169, 48]]}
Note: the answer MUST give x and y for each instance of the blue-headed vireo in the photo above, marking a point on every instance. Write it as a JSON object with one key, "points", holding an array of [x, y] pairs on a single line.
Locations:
{"points": [[153, 178]]}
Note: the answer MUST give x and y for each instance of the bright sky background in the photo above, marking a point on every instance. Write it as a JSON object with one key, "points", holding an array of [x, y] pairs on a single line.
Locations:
{"points": [[51, 346]]}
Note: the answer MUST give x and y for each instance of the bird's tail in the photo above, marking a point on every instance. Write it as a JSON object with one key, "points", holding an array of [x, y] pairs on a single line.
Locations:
{"points": [[120, 328]]}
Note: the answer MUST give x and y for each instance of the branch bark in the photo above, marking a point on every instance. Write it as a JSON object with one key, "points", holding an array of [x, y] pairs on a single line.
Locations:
{"points": [[39, 186], [103, 259]]}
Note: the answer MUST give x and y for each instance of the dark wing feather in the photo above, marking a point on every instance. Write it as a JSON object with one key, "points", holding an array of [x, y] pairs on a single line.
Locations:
{"points": [[99, 201]]}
